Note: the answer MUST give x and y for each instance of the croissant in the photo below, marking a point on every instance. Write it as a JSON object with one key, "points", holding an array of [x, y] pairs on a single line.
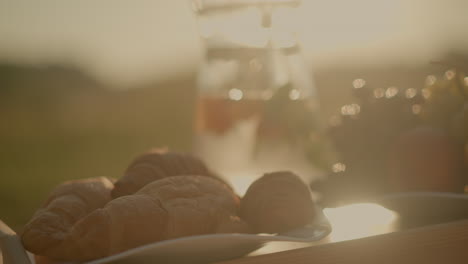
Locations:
{"points": [[168, 208], [66, 205], [277, 202], [195, 204], [158, 164]]}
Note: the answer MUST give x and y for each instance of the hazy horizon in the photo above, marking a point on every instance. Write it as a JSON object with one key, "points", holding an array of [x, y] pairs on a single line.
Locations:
{"points": [[125, 43]]}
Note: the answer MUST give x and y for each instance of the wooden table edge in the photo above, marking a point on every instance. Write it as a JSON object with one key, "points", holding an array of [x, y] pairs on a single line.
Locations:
{"points": [[442, 243]]}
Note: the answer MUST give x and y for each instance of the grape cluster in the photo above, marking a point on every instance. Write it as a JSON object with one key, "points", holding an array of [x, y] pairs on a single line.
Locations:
{"points": [[370, 134]]}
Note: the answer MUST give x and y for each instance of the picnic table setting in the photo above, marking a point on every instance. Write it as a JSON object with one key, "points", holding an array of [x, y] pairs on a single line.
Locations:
{"points": [[254, 157]]}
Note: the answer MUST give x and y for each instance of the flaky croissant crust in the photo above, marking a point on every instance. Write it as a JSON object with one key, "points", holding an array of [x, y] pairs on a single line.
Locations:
{"points": [[67, 204], [157, 164], [168, 208]]}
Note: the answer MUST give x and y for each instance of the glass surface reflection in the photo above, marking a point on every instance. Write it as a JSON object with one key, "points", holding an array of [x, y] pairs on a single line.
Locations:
{"points": [[348, 222], [359, 220]]}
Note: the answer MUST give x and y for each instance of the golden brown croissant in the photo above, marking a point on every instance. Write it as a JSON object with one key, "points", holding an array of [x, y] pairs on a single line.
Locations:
{"points": [[164, 209], [195, 204], [67, 204], [158, 164], [277, 202]]}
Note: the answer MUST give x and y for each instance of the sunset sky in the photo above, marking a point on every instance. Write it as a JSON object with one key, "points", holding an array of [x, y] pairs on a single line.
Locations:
{"points": [[126, 42]]}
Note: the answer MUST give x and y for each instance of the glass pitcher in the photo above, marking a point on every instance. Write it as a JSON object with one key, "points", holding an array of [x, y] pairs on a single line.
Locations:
{"points": [[257, 107]]}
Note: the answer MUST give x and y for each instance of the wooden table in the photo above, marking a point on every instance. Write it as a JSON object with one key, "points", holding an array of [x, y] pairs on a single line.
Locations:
{"points": [[443, 243]]}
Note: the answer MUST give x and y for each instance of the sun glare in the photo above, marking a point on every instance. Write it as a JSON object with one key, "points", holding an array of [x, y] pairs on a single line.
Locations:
{"points": [[359, 220], [241, 183]]}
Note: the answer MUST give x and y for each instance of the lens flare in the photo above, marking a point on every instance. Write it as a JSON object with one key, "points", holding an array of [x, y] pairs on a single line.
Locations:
{"points": [[359, 220]]}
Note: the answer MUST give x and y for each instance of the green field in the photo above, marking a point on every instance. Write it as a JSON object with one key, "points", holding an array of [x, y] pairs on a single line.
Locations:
{"points": [[56, 124]]}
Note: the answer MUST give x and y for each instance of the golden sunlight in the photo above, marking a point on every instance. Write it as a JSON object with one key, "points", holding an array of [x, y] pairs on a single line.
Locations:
{"points": [[241, 183], [348, 222], [359, 220], [241, 27]]}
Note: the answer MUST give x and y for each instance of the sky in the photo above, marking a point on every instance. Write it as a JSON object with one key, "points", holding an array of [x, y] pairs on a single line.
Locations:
{"points": [[127, 42]]}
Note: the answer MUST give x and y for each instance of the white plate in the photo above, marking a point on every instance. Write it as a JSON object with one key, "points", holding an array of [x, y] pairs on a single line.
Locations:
{"points": [[426, 208], [215, 247], [194, 249]]}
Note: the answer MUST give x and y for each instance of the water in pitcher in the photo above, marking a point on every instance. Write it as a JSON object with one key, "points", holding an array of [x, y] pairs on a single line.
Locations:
{"points": [[244, 138]]}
